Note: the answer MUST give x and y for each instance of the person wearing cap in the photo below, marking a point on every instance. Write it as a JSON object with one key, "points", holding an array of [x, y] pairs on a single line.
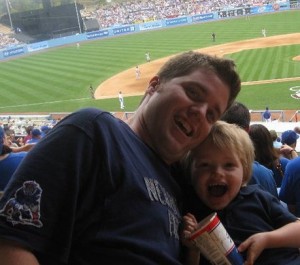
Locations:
{"points": [[9, 161], [44, 130], [36, 135], [289, 141]]}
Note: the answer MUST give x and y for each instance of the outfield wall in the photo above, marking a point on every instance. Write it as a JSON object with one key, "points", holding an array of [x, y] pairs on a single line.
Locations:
{"points": [[135, 28]]}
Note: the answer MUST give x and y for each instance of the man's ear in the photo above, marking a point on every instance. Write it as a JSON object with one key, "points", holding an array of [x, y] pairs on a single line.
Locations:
{"points": [[153, 85]]}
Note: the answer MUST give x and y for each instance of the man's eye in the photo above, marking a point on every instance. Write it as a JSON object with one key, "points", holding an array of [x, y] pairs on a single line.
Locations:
{"points": [[211, 117], [193, 93]]}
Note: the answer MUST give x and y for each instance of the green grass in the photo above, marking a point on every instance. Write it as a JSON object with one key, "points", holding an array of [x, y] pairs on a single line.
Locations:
{"points": [[268, 63], [58, 80], [276, 96]]}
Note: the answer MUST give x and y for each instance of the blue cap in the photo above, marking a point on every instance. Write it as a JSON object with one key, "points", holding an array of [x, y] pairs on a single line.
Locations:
{"points": [[1, 139], [36, 132], [289, 137], [45, 128]]}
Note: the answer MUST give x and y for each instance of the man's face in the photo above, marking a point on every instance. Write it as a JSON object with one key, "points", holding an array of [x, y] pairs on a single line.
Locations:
{"points": [[180, 113]]}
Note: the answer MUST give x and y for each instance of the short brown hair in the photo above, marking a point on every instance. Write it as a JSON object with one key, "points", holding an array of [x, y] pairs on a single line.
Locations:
{"points": [[187, 62]]}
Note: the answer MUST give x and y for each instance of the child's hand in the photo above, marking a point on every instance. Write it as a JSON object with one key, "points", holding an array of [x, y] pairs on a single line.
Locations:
{"points": [[189, 226], [254, 245]]}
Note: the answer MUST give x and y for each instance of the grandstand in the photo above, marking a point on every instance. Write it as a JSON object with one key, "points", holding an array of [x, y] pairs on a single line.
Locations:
{"points": [[44, 23]]}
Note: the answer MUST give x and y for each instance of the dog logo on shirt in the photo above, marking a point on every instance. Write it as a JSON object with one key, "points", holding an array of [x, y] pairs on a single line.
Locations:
{"points": [[24, 207]]}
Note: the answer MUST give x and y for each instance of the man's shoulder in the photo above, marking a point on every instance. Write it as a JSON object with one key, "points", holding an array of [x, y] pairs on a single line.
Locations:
{"points": [[90, 112], [88, 119], [85, 115]]}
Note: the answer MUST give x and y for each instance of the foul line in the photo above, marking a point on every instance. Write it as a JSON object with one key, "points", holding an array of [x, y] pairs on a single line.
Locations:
{"points": [[271, 81], [49, 102]]}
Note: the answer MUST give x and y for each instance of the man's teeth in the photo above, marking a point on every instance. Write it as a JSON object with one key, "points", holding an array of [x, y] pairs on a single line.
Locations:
{"points": [[184, 126]]}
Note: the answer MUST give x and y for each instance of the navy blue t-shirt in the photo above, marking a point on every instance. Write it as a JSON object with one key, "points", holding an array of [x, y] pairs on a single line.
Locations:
{"points": [[91, 192]]}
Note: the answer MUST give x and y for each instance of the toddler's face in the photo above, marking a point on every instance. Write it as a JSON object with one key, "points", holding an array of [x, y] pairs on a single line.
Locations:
{"points": [[217, 175]]}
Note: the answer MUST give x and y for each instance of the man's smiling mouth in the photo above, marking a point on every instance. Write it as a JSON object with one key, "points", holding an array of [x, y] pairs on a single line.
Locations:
{"points": [[184, 126]]}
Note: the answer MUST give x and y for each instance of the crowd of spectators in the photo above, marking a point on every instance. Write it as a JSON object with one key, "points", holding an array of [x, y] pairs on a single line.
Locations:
{"points": [[7, 40], [116, 13], [18, 126], [131, 12], [17, 138]]}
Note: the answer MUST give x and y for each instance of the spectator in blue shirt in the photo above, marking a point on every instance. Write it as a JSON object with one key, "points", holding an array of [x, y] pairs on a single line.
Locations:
{"points": [[36, 135], [9, 161], [290, 188]]}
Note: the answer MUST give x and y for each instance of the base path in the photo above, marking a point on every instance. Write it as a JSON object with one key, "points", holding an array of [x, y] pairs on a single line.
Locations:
{"points": [[131, 86]]}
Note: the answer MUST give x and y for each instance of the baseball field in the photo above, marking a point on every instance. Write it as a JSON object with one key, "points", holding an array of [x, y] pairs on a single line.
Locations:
{"points": [[58, 80]]}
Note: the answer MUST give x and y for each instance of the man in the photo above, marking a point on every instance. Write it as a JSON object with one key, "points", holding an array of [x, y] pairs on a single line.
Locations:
{"points": [[267, 115], [101, 191], [213, 35], [44, 130], [121, 100], [36, 136], [289, 140], [92, 91], [147, 54], [137, 72]]}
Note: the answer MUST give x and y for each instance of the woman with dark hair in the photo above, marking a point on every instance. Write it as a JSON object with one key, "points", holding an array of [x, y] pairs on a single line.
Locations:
{"points": [[265, 153]]}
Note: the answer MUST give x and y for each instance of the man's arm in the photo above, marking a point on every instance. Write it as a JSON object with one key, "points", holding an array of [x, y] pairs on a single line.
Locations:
{"points": [[286, 236], [13, 254]]}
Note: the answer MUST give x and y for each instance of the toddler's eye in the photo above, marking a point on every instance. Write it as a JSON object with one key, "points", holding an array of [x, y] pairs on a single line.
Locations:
{"points": [[229, 165], [202, 165]]}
